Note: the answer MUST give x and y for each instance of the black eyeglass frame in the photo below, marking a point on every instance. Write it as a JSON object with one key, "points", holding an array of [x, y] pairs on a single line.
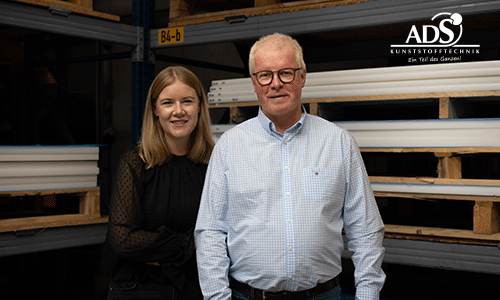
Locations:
{"points": [[279, 76]]}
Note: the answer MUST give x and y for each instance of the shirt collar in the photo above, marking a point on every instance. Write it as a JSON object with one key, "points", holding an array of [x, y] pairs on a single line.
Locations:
{"points": [[270, 128]]}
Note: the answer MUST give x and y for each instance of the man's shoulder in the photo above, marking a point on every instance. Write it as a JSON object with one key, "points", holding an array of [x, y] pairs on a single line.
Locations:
{"points": [[319, 123]]}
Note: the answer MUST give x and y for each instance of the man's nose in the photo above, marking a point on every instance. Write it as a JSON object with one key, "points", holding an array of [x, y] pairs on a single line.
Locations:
{"points": [[276, 81]]}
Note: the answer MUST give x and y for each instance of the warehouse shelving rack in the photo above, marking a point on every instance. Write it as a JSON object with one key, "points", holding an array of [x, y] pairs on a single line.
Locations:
{"points": [[144, 40], [418, 247], [91, 26]]}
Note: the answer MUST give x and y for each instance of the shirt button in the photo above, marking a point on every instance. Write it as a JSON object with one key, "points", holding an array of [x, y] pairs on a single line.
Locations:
{"points": [[289, 221], [286, 168], [288, 194], [285, 142], [291, 277], [290, 248]]}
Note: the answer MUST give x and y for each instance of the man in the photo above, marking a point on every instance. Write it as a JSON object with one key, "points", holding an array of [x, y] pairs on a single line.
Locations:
{"points": [[279, 190]]}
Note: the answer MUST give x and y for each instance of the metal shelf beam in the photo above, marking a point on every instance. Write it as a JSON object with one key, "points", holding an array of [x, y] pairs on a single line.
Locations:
{"points": [[35, 18], [32, 241], [459, 257], [342, 17]]}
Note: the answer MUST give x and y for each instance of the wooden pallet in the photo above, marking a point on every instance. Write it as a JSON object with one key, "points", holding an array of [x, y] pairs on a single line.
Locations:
{"points": [[84, 7], [182, 12], [486, 216], [441, 235], [447, 103], [89, 210]]}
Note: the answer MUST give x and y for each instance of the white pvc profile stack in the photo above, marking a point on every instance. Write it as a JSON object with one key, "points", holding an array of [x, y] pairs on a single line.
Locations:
{"points": [[26, 168], [444, 133], [219, 129], [434, 78]]}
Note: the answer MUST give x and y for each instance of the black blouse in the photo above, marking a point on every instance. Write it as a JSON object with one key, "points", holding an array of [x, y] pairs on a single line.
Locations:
{"points": [[152, 218]]}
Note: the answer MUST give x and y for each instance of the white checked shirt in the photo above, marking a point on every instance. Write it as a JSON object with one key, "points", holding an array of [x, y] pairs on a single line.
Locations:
{"points": [[274, 205]]}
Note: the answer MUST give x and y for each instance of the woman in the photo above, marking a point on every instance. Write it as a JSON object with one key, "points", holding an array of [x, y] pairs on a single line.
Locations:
{"points": [[149, 251]]}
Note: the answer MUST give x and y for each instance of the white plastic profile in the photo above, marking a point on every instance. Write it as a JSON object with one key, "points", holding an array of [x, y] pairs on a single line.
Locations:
{"points": [[25, 168], [425, 133], [448, 77]]}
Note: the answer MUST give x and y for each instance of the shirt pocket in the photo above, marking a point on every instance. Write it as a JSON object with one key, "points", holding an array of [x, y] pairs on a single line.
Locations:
{"points": [[317, 183]]}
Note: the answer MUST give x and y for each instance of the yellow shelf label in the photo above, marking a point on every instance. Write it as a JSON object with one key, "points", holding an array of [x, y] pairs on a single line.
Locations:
{"points": [[172, 35]]}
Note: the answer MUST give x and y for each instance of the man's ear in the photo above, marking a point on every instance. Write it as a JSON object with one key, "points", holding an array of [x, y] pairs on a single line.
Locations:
{"points": [[254, 83], [303, 77]]}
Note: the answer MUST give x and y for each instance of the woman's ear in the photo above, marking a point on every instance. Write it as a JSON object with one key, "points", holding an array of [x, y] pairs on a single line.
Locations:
{"points": [[154, 111]]}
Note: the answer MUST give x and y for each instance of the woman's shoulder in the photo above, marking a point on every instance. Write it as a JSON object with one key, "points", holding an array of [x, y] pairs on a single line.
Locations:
{"points": [[131, 157]]}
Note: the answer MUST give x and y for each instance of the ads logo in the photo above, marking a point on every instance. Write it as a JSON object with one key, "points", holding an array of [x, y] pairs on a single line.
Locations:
{"points": [[439, 37]]}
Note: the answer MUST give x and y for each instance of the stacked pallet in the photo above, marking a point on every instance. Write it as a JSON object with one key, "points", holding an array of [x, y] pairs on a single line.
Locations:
{"points": [[449, 140], [84, 7], [188, 12], [44, 173], [446, 141]]}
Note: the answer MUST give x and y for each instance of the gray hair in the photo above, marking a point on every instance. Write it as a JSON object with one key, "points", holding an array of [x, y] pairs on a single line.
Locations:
{"points": [[279, 41]]}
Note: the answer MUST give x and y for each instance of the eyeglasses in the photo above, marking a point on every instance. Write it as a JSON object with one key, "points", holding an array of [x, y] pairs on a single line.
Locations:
{"points": [[266, 77]]}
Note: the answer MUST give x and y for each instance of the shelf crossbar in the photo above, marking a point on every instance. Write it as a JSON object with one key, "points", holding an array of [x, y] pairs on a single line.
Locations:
{"points": [[341, 17], [35, 18]]}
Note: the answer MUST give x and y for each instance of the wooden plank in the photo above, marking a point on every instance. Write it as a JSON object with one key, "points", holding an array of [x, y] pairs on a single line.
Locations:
{"points": [[420, 196], [486, 217], [375, 98], [258, 11], [313, 109], [84, 8], [90, 203], [180, 8], [258, 3], [9, 225], [441, 235], [449, 166], [87, 3], [452, 108], [234, 104], [89, 210], [444, 107], [432, 180], [403, 96], [456, 151], [49, 192]]}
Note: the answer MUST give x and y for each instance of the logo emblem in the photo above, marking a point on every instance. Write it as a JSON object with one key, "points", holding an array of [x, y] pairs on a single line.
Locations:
{"points": [[442, 36]]}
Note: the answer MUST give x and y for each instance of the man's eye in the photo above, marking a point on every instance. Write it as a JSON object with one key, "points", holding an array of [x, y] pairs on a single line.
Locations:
{"points": [[264, 75]]}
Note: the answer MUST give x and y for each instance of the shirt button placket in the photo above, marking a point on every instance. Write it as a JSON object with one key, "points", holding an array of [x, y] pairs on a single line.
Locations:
{"points": [[288, 211]]}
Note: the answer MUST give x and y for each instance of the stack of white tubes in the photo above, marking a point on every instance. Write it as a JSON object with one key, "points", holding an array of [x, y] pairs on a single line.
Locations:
{"points": [[449, 77]]}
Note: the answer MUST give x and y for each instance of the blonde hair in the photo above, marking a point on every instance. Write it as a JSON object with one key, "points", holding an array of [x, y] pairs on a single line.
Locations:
{"points": [[152, 146], [278, 41]]}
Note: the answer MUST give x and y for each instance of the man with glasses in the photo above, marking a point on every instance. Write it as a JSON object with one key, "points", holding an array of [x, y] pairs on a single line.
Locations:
{"points": [[279, 190]]}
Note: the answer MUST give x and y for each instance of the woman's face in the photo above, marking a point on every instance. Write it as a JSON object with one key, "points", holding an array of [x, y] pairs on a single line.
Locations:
{"points": [[178, 108]]}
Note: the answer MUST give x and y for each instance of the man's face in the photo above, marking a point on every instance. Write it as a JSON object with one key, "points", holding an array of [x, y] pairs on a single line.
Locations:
{"points": [[278, 100]]}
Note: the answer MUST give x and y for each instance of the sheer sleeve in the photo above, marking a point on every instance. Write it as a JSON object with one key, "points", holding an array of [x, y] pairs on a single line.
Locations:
{"points": [[126, 236]]}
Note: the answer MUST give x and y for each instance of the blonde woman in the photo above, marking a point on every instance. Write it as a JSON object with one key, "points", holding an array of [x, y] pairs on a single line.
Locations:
{"points": [[149, 252]]}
